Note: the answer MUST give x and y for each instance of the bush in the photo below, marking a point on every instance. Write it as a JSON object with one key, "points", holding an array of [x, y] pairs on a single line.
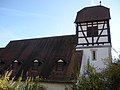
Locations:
{"points": [[28, 84], [112, 75], [108, 79], [90, 81]]}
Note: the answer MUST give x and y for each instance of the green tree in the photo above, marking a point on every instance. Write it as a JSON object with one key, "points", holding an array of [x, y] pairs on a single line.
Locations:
{"points": [[90, 81], [112, 75], [108, 79]]}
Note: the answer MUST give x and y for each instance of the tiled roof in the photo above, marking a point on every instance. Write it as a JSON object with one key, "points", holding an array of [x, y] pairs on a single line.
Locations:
{"points": [[47, 51], [92, 14], [1, 50]]}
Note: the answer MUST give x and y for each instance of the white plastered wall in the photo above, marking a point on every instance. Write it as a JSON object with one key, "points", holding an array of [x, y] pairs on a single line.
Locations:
{"points": [[56, 86], [102, 53]]}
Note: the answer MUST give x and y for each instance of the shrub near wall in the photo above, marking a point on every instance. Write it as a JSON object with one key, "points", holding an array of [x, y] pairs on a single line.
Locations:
{"points": [[108, 79], [90, 81], [112, 75], [28, 84]]}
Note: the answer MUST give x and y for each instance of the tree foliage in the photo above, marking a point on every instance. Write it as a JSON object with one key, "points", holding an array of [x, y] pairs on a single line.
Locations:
{"points": [[28, 84], [112, 75], [108, 79]]}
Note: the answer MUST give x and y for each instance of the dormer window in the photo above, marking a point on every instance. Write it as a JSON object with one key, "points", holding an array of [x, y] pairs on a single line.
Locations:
{"points": [[16, 64], [36, 61], [60, 65], [15, 67], [35, 64], [15, 61], [60, 61]]}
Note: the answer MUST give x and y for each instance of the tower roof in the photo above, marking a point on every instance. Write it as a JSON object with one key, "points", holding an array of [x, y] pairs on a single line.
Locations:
{"points": [[93, 13]]}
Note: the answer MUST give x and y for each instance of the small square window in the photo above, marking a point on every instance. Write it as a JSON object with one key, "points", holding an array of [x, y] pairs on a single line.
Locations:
{"points": [[92, 31]]}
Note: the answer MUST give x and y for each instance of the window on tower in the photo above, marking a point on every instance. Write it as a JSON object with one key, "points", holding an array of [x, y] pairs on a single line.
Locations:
{"points": [[94, 54], [92, 31]]}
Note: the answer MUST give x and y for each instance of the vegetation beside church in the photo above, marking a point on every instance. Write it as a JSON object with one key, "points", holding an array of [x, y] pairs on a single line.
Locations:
{"points": [[28, 84], [108, 79]]}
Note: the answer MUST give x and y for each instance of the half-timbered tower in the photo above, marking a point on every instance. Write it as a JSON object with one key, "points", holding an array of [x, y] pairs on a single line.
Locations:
{"points": [[93, 35]]}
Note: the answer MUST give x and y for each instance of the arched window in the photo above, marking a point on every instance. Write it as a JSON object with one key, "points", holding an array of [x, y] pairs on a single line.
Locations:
{"points": [[35, 64], [15, 67], [16, 64], [34, 69], [60, 65]]}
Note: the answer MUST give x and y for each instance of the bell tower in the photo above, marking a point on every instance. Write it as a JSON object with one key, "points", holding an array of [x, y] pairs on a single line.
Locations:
{"points": [[93, 35]]}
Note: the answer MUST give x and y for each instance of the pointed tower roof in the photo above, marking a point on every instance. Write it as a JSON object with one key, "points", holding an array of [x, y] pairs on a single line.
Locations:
{"points": [[93, 13]]}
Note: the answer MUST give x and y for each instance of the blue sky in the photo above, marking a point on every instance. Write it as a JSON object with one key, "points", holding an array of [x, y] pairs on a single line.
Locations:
{"points": [[25, 19]]}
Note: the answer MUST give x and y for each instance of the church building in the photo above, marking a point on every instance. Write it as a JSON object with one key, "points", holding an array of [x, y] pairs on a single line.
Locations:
{"points": [[59, 60]]}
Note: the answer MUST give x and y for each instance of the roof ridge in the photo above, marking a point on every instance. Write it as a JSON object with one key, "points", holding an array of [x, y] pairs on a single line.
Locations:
{"points": [[96, 6], [43, 38]]}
